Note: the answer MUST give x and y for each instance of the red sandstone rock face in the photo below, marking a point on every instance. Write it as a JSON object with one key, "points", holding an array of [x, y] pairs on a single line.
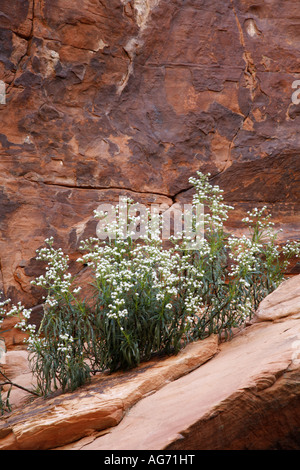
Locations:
{"points": [[104, 96]]}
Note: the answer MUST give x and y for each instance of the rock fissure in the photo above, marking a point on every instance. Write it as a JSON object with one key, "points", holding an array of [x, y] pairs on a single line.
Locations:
{"points": [[107, 188], [250, 69]]}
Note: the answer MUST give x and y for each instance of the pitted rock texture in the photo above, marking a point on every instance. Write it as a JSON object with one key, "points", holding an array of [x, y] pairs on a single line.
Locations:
{"points": [[133, 97]]}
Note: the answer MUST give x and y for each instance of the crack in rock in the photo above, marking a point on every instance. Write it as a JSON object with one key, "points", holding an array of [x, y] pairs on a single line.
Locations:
{"points": [[143, 9]]}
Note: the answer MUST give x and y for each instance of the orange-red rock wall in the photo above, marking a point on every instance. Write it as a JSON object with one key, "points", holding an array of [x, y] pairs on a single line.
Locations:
{"points": [[109, 97]]}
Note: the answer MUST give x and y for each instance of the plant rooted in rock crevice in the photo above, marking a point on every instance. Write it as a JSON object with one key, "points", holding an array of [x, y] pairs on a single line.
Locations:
{"points": [[148, 298]]}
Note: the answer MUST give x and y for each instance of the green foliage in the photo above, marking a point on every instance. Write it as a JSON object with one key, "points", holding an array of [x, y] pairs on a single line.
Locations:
{"points": [[148, 298], [4, 402]]}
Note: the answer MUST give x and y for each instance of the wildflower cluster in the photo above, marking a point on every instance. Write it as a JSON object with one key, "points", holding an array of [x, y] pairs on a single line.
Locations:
{"points": [[212, 196], [56, 278], [3, 309], [56, 346], [24, 315], [145, 295], [257, 260], [149, 298], [4, 403]]}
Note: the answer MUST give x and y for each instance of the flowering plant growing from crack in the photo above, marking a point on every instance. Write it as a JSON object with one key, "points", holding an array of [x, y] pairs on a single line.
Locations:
{"points": [[6, 384], [150, 298], [4, 402]]}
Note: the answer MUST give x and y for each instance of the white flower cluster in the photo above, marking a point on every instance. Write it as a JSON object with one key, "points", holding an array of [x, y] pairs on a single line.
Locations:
{"points": [[65, 345], [51, 301], [56, 277], [212, 196], [260, 225], [244, 309], [3, 309], [193, 303], [56, 281], [243, 252], [142, 272], [291, 248], [35, 342], [23, 314], [116, 310]]}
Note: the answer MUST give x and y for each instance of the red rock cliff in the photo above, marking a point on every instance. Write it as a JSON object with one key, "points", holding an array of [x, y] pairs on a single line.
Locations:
{"points": [[111, 95]]}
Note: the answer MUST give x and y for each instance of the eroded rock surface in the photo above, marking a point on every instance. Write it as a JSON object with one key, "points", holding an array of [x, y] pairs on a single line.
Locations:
{"points": [[16, 367], [133, 97], [246, 397], [242, 394], [65, 418], [283, 302]]}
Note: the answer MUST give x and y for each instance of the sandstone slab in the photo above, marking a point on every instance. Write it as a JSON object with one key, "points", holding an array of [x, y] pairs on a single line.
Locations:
{"points": [[56, 421], [246, 397], [284, 301], [16, 367]]}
